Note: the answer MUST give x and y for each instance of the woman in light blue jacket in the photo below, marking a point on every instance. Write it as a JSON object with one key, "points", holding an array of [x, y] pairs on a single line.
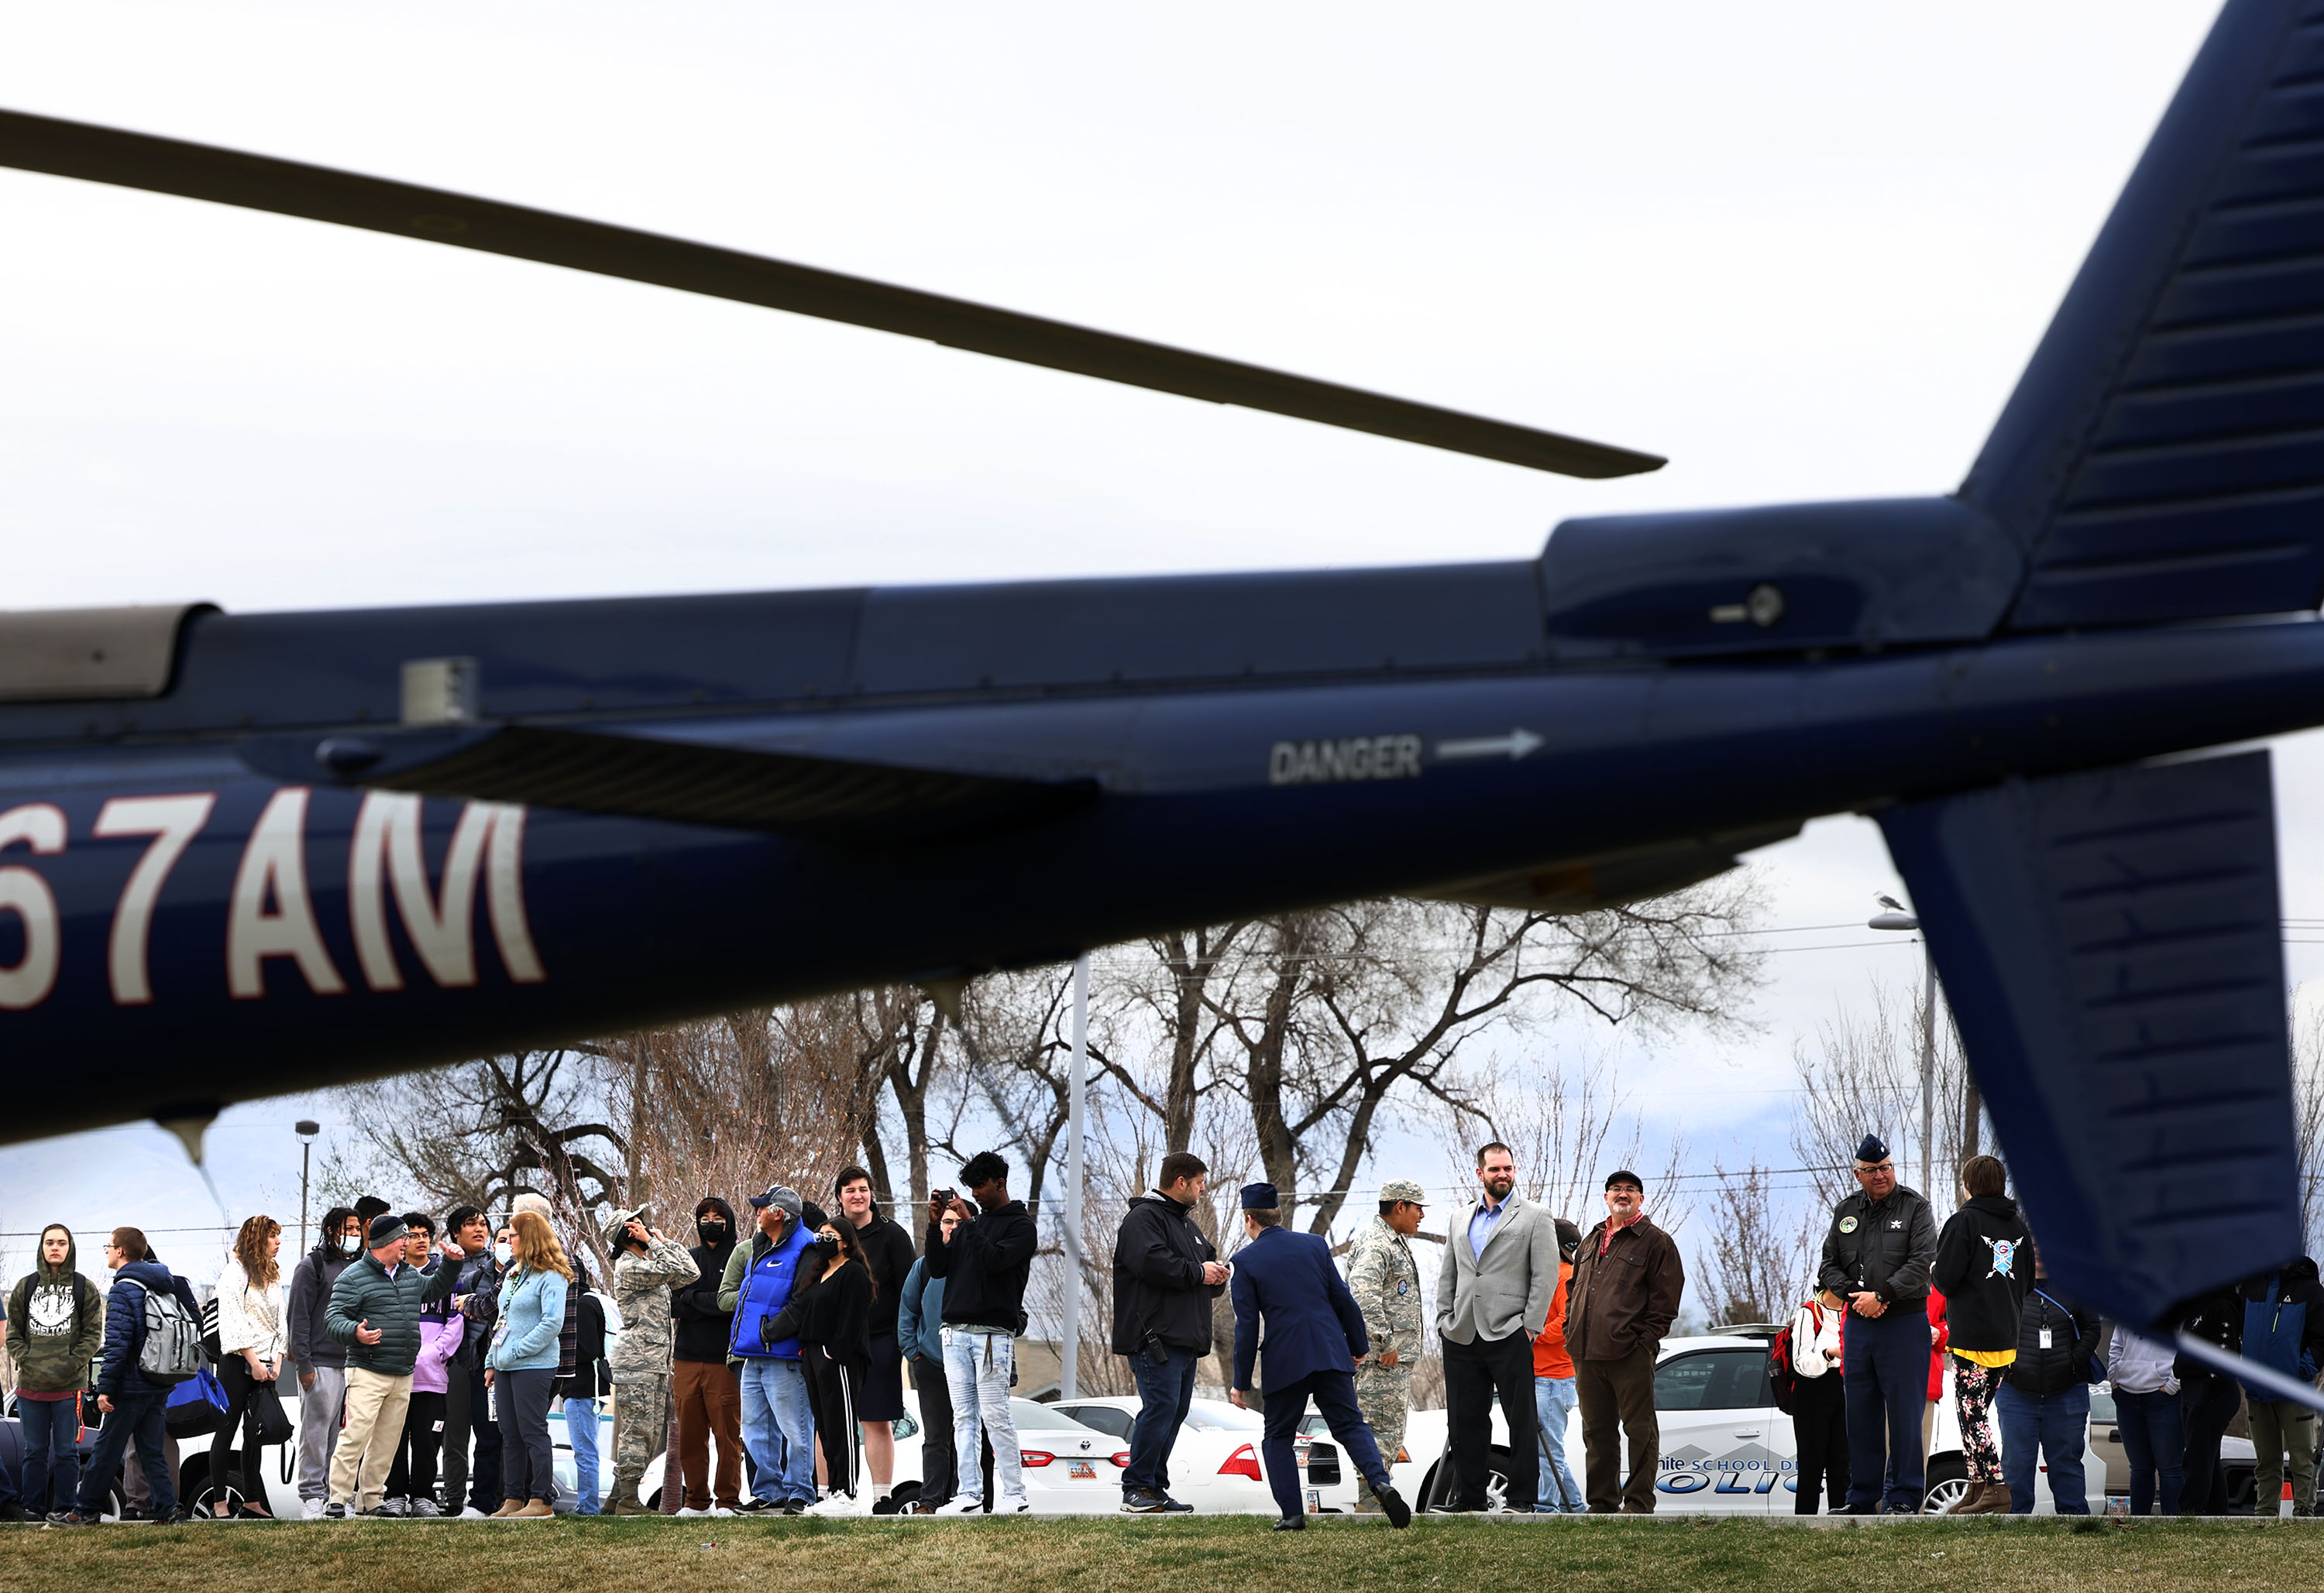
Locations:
{"points": [[521, 1366]]}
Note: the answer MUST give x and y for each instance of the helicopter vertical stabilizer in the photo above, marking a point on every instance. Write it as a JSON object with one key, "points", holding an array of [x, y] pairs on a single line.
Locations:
{"points": [[2110, 944], [2162, 456]]}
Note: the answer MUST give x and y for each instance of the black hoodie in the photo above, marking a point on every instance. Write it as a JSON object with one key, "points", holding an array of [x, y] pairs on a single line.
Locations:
{"points": [[701, 1329], [985, 1267], [1984, 1266]]}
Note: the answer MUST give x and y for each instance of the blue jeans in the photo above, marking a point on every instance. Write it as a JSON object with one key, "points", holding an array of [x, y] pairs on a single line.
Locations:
{"points": [[2153, 1438], [137, 1416], [1886, 1382], [2058, 1426], [1552, 1403], [979, 1368], [52, 1452], [779, 1429], [1165, 1393], [581, 1433]]}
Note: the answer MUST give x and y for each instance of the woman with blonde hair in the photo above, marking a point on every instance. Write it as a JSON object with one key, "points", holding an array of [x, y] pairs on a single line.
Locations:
{"points": [[250, 1359], [521, 1365]]}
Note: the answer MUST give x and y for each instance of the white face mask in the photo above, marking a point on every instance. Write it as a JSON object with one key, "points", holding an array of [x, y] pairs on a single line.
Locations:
{"points": [[502, 1254]]}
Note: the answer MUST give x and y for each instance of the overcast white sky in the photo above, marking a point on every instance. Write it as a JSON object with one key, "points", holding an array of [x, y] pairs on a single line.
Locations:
{"points": [[1802, 248]]}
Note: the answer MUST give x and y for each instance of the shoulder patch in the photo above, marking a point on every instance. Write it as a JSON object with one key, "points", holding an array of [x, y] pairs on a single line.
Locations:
{"points": [[1847, 1225]]}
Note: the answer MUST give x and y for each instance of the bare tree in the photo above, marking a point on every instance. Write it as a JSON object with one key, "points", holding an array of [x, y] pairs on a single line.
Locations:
{"points": [[1862, 1075], [1753, 1259], [2308, 1125], [480, 1133], [1568, 1127]]}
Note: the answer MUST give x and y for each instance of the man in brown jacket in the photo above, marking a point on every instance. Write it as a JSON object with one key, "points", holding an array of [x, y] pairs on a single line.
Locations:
{"points": [[1624, 1295]]}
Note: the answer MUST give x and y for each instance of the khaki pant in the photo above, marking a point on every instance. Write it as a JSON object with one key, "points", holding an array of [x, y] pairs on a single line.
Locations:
{"points": [[1621, 1391], [377, 1404], [2277, 1425]]}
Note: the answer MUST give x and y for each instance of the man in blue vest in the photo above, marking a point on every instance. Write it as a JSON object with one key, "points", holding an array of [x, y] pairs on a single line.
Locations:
{"points": [[778, 1424], [1315, 1340]]}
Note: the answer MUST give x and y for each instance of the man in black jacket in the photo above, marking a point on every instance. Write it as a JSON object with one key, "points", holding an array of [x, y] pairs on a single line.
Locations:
{"points": [[1875, 1265], [879, 1401], [467, 1247], [2045, 1398], [1166, 1274], [984, 1265], [702, 1385]]}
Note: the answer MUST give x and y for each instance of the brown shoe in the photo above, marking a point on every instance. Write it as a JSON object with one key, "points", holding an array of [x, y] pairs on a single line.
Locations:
{"points": [[508, 1507], [538, 1510], [1983, 1499]]}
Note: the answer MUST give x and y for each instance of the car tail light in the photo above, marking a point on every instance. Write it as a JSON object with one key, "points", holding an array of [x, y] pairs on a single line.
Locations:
{"points": [[1243, 1462], [1035, 1456], [1121, 1459]]}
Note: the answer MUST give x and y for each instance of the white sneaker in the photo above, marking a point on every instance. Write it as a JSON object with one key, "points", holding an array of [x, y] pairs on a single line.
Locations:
{"points": [[312, 1509], [841, 1504], [718, 1511], [473, 1513], [1011, 1505], [689, 1512], [970, 1504]]}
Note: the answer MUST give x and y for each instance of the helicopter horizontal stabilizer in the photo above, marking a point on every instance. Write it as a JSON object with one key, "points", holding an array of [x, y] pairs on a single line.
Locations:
{"points": [[2162, 456], [682, 782], [2110, 946]]}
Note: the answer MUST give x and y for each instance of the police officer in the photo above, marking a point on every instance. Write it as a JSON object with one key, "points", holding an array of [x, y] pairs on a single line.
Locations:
{"points": [[646, 1267], [1386, 1282], [1286, 1284], [1875, 1265]]}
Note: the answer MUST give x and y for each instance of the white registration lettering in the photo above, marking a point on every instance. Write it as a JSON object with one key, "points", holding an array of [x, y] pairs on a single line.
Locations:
{"points": [[388, 855], [173, 821], [24, 892], [271, 914]]}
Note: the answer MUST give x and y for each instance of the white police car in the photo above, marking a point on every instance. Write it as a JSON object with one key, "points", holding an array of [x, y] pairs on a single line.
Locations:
{"points": [[1726, 1449]]}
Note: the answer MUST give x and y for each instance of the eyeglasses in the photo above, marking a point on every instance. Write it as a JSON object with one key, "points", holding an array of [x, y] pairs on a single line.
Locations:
{"points": [[1866, 1170]]}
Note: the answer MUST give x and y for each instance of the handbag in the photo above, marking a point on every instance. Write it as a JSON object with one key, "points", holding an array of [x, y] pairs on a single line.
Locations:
{"points": [[273, 1421], [195, 1406]]}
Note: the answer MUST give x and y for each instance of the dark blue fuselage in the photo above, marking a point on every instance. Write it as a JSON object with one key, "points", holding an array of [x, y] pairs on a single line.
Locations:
{"points": [[1203, 816]]}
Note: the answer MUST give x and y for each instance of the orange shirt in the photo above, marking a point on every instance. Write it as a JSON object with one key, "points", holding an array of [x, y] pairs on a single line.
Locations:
{"points": [[1549, 1356]]}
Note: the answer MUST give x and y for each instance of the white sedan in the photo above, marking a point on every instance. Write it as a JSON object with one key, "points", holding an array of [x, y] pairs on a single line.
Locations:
{"points": [[1069, 1469], [1215, 1465]]}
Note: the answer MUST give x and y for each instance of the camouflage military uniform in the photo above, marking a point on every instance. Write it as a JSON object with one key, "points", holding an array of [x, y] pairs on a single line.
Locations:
{"points": [[1385, 1282], [642, 1286]]}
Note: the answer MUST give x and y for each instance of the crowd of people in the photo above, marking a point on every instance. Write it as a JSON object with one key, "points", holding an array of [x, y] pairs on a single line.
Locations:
{"points": [[1900, 1303], [429, 1360]]}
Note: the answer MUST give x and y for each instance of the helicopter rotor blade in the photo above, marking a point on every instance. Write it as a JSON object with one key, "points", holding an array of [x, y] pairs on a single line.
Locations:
{"points": [[290, 188]]}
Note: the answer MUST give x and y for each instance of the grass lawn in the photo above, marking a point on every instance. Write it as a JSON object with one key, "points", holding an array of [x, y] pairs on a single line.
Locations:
{"points": [[1214, 1554]]}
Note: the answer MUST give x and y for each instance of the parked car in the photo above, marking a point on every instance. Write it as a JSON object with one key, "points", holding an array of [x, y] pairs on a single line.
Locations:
{"points": [[1726, 1449], [1069, 1469], [1215, 1465]]}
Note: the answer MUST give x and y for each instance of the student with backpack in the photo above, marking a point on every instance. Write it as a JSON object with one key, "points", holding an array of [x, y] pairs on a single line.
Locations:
{"points": [[153, 1342], [56, 1329], [1805, 1363], [2283, 1329]]}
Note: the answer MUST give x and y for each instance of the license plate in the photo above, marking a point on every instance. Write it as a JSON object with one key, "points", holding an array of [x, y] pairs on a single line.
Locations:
{"points": [[1081, 1470]]}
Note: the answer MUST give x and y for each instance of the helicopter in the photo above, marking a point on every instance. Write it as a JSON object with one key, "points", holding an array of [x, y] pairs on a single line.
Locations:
{"points": [[242, 854]]}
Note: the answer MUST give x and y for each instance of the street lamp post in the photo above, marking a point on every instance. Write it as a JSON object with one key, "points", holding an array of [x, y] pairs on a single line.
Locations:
{"points": [[306, 1128], [1894, 917]]}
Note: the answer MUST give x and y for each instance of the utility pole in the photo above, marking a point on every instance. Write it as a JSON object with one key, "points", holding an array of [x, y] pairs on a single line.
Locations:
{"points": [[1076, 1093], [1894, 917]]}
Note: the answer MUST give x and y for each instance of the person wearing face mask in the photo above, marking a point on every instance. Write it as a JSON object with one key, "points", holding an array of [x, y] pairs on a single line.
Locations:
{"points": [[321, 1359], [703, 1386], [1624, 1294]]}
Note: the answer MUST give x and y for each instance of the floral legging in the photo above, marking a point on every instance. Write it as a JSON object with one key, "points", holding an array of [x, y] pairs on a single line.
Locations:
{"points": [[1973, 1390]]}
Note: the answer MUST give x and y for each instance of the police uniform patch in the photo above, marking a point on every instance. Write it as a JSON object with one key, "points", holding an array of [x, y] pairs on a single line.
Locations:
{"points": [[1847, 1225]]}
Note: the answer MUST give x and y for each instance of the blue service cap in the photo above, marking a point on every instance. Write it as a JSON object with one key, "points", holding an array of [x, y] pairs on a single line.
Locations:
{"points": [[1259, 1197], [1872, 1150]]}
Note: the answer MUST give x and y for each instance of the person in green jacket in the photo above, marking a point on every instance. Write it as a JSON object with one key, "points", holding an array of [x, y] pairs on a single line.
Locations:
{"points": [[56, 1328], [375, 1312]]}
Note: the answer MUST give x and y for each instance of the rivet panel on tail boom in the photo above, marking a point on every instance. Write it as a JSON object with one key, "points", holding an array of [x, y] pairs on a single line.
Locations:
{"points": [[2163, 457]]}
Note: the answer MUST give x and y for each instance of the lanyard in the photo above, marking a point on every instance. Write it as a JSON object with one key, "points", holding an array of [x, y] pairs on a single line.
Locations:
{"points": [[2069, 1315]]}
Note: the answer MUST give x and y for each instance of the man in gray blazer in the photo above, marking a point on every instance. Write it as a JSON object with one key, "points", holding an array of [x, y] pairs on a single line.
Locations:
{"points": [[1492, 1300]]}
